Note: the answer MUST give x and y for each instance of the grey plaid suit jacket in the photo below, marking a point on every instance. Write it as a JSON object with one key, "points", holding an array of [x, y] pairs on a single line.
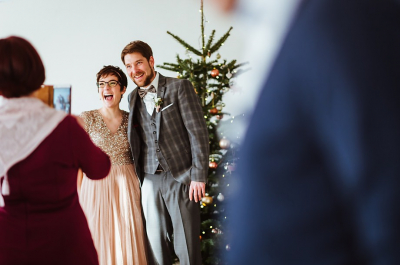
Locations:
{"points": [[181, 130]]}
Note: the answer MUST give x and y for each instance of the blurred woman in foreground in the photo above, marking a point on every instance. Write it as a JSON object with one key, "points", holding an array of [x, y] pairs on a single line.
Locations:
{"points": [[41, 150]]}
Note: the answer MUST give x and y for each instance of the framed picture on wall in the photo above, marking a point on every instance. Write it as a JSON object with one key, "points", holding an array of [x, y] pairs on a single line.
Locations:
{"points": [[62, 98]]}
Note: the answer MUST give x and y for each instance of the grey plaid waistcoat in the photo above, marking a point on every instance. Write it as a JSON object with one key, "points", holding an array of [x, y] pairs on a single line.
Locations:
{"points": [[152, 155]]}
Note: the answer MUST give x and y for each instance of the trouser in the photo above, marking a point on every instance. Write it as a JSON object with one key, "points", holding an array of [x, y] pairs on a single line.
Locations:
{"points": [[168, 210]]}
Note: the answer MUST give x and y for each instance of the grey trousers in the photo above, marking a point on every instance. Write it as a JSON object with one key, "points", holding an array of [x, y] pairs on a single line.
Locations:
{"points": [[168, 211]]}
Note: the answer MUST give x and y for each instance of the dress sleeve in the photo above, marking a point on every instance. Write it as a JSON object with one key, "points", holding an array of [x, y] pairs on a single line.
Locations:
{"points": [[85, 117], [91, 159]]}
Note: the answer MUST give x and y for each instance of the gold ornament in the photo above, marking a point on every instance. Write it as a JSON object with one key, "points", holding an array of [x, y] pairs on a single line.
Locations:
{"points": [[207, 200]]}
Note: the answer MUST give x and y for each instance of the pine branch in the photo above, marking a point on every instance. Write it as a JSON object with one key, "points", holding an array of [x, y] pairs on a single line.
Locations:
{"points": [[186, 45], [239, 65], [171, 64], [210, 40], [219, 43], [202, 25]]}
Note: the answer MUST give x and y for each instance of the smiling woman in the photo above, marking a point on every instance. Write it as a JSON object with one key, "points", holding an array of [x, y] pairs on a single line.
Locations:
{"points": [[112, 207]]}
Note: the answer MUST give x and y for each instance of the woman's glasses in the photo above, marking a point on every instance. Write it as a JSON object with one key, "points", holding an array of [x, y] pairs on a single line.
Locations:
{"points": [[103, 84]]}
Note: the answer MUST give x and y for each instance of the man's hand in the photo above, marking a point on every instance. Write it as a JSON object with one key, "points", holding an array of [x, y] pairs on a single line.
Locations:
{"points": [[197, 190]]}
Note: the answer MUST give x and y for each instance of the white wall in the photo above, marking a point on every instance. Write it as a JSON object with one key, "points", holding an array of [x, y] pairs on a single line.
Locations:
{"points": [[75, 38]]}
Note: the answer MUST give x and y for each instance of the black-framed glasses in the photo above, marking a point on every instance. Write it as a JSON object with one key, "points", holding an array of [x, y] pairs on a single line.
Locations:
{"points": [[111, 83]]}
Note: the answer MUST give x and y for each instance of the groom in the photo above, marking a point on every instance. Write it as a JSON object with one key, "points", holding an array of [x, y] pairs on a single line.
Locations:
{"points": [[171, 158]]}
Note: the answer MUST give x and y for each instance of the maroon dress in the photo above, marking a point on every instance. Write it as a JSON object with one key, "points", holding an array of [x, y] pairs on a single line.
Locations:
{"points": [[42, 221]]}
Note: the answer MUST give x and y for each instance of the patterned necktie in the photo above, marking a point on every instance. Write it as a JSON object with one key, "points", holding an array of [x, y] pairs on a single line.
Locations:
{"points": [[143, 92]]}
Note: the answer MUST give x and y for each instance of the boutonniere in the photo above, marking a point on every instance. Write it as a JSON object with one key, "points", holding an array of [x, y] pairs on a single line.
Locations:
{"points": [[158, 102]]}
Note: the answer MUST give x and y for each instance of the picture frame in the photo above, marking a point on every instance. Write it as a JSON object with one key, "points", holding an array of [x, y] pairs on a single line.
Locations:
{"points": [[62, 98]]}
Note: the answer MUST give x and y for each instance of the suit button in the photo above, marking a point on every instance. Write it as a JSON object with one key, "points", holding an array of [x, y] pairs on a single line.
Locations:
{"points": [[158, 150], [154, 132], [156, 141]]}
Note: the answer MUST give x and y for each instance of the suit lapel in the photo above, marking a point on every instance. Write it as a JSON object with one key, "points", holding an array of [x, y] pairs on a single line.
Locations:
{"points": [[132, 103], [132, 99], [160, 94]]}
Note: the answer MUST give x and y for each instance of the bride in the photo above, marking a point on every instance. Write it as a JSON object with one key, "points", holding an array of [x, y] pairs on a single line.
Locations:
{"points": [[112, 205]]}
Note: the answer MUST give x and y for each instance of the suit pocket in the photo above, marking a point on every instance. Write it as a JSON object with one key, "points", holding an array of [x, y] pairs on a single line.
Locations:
{"points": [[166, 107]]}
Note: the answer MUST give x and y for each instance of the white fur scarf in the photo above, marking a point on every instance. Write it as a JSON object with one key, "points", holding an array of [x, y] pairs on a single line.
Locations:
{"points": [[24, 123]]}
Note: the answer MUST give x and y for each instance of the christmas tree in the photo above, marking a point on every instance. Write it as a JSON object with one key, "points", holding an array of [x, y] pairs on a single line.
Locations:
{"points": [[211, 79]]}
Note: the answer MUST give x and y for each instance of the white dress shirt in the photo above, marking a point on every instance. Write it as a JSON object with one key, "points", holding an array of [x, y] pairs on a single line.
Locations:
{"points": [[150, 98]]}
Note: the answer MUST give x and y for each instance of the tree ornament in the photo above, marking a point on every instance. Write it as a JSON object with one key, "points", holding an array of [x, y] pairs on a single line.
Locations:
{"points": [[214, 72], [229, 75], [213, 110], [220, 116], [213, 164], [220, 197], [216, 231], [207, 200], [226, 166], [218, 56], [231, 167], [224, 143]]}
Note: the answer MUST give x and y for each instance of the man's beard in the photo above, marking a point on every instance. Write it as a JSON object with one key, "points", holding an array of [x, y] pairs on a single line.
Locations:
{"points": [[148, 79]]}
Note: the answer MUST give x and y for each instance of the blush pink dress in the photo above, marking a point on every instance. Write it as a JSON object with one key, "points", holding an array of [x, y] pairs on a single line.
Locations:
{"points": [[112, 205]]}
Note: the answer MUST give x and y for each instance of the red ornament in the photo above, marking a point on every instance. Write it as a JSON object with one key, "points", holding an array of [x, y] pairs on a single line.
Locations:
{"points": [[214, 111], [214, 72], [213, 164]]}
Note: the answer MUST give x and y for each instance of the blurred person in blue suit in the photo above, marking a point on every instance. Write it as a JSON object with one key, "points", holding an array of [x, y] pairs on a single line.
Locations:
{"points": [[319, 174]]}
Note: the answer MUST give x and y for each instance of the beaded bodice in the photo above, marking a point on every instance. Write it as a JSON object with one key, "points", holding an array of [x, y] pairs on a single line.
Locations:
{"points": [[115, 145]]}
